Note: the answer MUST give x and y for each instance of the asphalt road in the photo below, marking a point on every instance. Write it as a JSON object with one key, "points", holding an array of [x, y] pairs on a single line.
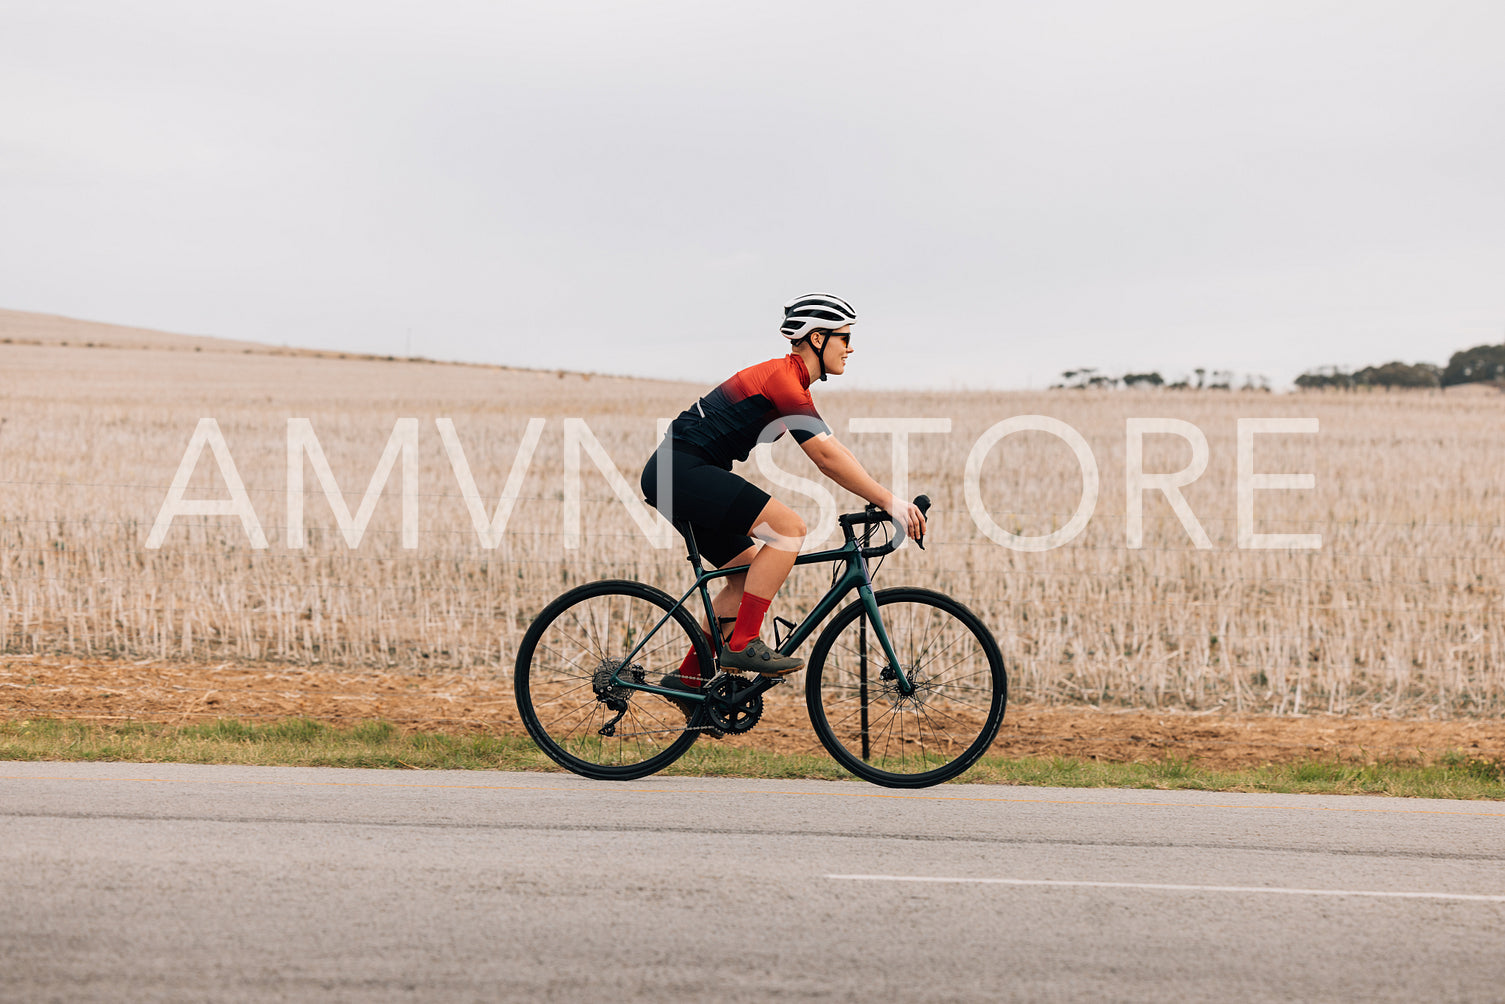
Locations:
{"points": [[151, 882]]}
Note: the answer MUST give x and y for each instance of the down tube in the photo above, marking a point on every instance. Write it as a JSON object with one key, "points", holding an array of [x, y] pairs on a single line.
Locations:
{"points": [[851, 579]]}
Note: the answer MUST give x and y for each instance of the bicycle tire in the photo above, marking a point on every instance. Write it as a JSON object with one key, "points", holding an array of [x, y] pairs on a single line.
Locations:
{"points": [[556, 680], [925, 738]]}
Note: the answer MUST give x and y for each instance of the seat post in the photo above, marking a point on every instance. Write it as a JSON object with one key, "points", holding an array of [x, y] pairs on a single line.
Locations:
{"points": [[688, 532]]}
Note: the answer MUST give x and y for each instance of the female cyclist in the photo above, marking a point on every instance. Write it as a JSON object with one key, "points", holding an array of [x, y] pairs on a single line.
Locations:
{"points": [[689, 477]]}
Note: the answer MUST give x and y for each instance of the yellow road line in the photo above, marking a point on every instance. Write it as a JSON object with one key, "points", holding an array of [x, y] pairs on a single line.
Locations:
{"points": [[707, 791]]}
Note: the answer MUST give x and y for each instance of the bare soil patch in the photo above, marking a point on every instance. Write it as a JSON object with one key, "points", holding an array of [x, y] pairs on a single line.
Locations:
{"points": [[95, 690]]}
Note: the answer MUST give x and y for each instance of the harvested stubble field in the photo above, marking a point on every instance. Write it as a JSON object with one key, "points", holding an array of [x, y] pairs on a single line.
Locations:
{"points": [[177, 693], [1397, 615]]}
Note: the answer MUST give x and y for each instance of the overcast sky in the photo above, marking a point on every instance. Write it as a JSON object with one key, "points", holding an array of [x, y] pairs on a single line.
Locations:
{"points": [[1003, 190]]}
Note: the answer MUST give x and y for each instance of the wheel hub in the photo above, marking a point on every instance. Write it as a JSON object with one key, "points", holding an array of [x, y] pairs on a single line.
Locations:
{"points": [[920, 685]]}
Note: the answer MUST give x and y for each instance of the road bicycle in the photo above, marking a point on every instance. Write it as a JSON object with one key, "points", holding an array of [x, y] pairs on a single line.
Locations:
{"points": [[905, 687]]}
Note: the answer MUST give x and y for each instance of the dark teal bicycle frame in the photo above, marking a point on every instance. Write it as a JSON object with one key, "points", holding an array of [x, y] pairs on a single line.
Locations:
{"points": [[855, 576]]}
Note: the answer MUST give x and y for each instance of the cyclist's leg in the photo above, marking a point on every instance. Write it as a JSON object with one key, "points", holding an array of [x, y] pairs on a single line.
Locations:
{"points": [[723, 509], [728, 599], [703, 495], [782, 531]]}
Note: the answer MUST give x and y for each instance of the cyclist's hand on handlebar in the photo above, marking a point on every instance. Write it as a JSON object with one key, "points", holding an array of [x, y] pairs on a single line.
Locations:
{"points": [[909, 514]]}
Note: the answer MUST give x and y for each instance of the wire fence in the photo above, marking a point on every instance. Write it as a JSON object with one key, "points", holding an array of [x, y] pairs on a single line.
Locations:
{"points": [[161, 491]]}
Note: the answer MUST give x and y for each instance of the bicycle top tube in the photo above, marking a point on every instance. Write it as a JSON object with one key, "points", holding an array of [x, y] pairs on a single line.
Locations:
{"points": [[848, 549]]}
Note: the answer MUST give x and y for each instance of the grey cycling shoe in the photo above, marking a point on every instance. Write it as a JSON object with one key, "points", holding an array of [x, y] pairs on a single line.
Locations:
{"points": [[758, 658]]}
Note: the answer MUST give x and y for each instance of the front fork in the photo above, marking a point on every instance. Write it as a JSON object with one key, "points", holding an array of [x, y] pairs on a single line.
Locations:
{"points": [[895, 670]]}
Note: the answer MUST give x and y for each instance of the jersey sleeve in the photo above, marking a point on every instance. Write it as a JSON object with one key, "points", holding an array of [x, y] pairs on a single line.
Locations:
{"points": [[795, 407]]}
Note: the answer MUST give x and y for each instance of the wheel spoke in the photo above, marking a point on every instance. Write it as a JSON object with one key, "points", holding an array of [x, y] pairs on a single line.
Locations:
{"points": [[585, 674]]}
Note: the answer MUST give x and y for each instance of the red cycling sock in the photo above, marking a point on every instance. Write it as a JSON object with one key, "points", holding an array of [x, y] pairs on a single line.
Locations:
{"points": [[689, 670], [749, 621]]}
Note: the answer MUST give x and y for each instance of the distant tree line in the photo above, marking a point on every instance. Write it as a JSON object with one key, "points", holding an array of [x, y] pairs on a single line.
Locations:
{"points": [[1395, 374], [1480, 364], [1200, 379]]}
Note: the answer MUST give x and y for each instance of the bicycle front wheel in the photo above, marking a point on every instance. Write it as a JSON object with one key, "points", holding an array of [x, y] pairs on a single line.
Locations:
{"points": [[907, 740], [564, 679]]}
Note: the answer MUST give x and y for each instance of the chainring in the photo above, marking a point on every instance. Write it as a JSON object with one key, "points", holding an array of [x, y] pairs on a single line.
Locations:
{"points": [[726, 715]]}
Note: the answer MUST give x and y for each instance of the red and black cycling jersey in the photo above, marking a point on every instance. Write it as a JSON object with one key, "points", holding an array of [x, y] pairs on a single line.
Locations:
{"points": [[724, 425]]}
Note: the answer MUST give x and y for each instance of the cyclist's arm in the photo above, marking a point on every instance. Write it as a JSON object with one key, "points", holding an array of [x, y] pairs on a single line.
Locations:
{"points": [[837, 463]]}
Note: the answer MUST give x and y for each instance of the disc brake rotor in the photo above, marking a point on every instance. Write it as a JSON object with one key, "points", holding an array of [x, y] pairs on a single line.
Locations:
{"points": [[920, 682]]}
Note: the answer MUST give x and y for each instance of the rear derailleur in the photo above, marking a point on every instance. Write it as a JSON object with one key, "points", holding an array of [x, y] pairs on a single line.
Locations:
{"points": [[614, 695]]}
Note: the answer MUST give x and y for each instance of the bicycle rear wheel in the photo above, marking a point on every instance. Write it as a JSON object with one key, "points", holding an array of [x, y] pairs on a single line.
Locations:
{"points": [[919, 739], [563, 680]]}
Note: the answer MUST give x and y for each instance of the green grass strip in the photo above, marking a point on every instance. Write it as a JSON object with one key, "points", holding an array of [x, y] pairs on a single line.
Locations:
{"points": [[304, 743]]}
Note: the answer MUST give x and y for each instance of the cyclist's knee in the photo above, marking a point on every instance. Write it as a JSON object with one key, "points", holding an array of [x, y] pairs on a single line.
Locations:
{"points": [[791, 537], [780, 527]]}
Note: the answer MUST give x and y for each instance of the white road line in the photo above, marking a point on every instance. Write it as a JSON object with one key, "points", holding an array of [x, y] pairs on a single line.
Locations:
{"points": [[1374, 894]]}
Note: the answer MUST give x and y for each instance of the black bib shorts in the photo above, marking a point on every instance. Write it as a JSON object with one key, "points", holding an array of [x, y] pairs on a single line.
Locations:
{"points": [[721, 507]]}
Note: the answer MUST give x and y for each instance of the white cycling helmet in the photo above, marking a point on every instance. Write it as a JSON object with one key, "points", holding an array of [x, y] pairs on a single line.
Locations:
{"points": [[815, 311]]}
